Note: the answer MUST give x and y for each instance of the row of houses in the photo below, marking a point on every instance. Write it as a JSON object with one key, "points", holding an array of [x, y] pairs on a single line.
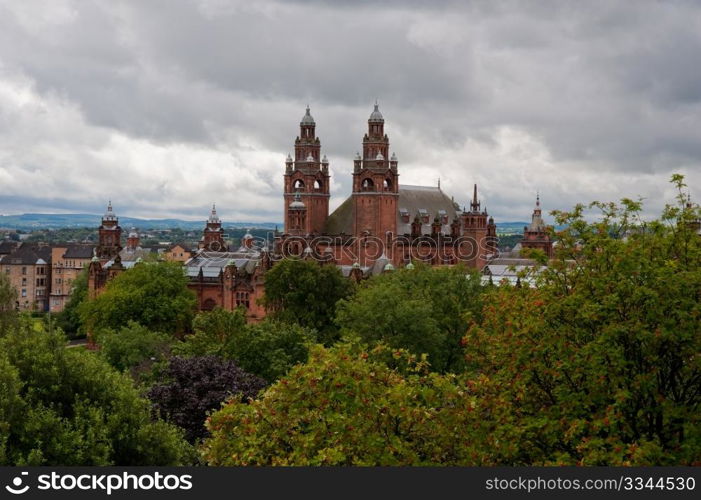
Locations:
{"points": [[43, 275]]}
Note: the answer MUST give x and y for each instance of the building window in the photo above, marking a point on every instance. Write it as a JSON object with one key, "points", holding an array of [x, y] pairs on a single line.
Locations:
{"points": [[24, 292], [24, 270], [242, 299], [24, 281], [423, 214]]}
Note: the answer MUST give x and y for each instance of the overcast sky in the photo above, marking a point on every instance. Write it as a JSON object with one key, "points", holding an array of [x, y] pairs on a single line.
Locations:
{"points": [[167, 106]]}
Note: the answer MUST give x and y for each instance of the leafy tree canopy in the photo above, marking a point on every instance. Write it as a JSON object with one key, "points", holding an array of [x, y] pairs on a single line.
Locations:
{"points": [[8, 296], [66, 406], [425, 310], [155, 295], [347, 406], [133, 346], [305, 293], [69, 319], [600, 363], [198, 385], [268, 349]]}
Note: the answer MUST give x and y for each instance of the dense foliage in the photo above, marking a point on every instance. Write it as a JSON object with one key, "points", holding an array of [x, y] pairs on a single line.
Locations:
{"points": [[425, 310], [69, 319], [155, 295], [132, 346], [66, 406], [600, 363], [268, 349], [8, 296], [197, 385], [346, 406], [305, 293]]}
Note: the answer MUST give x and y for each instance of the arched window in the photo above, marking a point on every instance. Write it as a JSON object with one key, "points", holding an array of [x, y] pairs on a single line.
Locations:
{"points": [[317, 185], [367, 185], [298, 185], [387, 185]]}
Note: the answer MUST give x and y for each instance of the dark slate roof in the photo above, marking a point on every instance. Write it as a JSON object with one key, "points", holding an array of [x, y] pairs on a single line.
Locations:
{"points": [[212, 263], [341, 220], [29, 254], [7, 247], [411, 199], [78, 252]]}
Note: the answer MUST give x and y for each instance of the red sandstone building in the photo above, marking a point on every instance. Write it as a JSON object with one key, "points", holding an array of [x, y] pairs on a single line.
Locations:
{"points": [[382, 223], [380, 226]]}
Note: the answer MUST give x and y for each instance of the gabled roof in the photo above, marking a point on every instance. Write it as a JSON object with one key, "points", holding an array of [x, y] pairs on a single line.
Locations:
{"points": [[184, 246], [78, 252]]}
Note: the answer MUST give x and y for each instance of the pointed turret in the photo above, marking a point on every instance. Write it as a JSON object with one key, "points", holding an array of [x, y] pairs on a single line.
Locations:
{"points": [[536, 234], [109, 235], [213, 234]]}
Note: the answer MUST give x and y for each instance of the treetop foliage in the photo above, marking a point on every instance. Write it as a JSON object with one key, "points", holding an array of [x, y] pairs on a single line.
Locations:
{"points": [[155, 295]]}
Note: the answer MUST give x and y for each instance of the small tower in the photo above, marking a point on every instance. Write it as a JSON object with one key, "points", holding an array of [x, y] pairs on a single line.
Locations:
{"points": [[213, 234], [109, 236], [308, 176], [475, 232], [375, 182], [492, 238], [133, 240], [536, 234]]}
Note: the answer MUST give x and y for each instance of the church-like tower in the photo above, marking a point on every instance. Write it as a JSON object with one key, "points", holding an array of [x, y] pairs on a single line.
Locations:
{"points": [[213, 234], [307, 183], [375, 182], [536, 234], [475, 230], [109, 236]]}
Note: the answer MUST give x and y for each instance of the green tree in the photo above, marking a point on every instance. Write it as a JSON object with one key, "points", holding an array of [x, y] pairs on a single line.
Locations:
{"points": [[600, 363], [133, 346], [155, 295], [8, 296], [62, 406], [69, 319], [425, 310], [346, 406], [267, 349], [305, 293]]}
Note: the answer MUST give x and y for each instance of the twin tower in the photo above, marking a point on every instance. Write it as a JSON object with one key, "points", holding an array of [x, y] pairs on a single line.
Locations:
{"points": [[375, 183]]}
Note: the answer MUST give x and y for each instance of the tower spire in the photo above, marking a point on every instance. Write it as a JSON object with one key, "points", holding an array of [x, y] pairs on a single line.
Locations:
{"points": [[474, 205]]}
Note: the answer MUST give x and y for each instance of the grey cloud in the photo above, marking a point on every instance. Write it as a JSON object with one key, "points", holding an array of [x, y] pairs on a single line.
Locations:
{"points": [[604, 90]]}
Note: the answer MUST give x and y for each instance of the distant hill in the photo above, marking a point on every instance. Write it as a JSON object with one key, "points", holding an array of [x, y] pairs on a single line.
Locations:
{"points": [[511, 227], [56, 221], [28, 222]]}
